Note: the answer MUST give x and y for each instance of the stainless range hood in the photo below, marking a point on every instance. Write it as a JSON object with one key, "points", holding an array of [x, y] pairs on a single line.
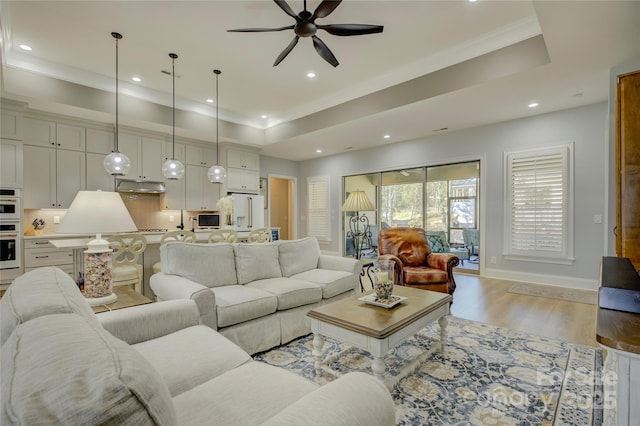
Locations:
{"points": [[146, 187]]}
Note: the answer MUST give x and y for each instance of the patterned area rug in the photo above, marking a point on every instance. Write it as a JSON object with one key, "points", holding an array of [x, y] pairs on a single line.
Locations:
{"points": [[487, 375], [563, 293]]}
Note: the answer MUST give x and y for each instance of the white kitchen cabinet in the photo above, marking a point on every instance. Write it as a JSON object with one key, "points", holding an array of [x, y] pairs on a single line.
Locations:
{"points": [[238, 159], [40, 252], [10, 163], [146, 155], [174, 197], [200, 156], [200, 193], [97, 175], [48, 133], [11, 124], [100, 141], [242, 180], [52, 176]]}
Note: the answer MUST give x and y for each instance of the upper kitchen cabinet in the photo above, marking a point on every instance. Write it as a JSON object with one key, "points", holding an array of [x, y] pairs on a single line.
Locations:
{"points": [[100, 143], [200, 193], [58, 135], [200, 156], [146, 155], [53, 178], [11, 126], [243, 171], [10, 163]]}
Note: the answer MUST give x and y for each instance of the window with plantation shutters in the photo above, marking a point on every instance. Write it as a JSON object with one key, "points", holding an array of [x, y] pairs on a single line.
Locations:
{"points": [[539, 204], [318, 224]]}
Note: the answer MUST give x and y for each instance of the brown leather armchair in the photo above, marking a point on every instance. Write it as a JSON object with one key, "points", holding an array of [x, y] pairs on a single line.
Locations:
{"points": [[416, 266]]}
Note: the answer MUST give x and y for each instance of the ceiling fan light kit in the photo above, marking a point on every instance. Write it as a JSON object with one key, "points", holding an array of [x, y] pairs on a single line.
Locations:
{"points": [[116, 163], [306, 27], [173, 169]]}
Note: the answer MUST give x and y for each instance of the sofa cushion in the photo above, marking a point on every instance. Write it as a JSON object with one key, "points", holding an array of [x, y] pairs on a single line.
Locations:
{"points": [[58, 369], [211, 265], [238, 303], [256, 262], [40, 292], [290, 292], [333, 282], [247, 395], [298, 256], [191, 356]]}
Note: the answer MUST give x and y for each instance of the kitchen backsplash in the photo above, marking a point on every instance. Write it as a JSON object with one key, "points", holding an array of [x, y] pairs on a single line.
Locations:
{"points": [[145, 209]]}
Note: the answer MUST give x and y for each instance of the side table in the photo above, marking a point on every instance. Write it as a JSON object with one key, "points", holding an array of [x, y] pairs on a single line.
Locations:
{"points": [[127, 297]]}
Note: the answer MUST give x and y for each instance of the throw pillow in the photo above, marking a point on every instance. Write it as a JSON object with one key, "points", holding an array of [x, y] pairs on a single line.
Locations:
{"points": [[437, 246]]}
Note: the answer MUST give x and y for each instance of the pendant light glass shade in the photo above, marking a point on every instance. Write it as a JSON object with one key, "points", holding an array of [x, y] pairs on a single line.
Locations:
{"points": [[173, 169], [217, 173], [116, 163]]}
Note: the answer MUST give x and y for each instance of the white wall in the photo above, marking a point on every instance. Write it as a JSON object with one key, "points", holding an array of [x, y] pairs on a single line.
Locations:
{"points": [[585, 126]]}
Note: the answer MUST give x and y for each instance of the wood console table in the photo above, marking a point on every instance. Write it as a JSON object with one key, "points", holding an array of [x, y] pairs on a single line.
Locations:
{"points": [[618, 333]]}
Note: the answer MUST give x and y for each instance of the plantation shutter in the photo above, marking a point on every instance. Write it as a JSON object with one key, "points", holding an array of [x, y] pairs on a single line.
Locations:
{"points": [[318, 208], [538, 187]]}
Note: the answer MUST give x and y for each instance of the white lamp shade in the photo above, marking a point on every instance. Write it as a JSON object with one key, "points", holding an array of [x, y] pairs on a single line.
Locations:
{"points": [[117, 164], [96, 212], [216, 174], [173, 169], [358, 201]]}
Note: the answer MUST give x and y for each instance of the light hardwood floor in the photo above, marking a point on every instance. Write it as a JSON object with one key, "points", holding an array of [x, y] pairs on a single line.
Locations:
{"points": [[488, 300]]}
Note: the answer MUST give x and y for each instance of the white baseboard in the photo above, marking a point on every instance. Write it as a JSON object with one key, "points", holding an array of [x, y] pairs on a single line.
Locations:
{"points": [[553, 280]]}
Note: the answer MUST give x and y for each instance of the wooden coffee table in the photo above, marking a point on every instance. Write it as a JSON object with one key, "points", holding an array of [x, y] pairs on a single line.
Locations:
{"points": [[375, 329], [127, 297]]}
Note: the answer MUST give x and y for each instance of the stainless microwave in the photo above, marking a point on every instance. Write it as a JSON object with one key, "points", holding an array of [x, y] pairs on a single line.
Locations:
{"points": [[208, 220]]}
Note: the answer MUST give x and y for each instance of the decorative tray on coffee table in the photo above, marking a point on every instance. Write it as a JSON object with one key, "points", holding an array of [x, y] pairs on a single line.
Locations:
{"points": [[372, 299]]}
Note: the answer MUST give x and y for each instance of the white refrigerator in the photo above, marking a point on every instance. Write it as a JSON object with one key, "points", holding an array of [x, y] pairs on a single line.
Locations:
{"points": [[248, 210]]}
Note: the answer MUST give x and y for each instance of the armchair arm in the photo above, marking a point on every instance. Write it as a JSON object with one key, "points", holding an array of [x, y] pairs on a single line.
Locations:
{"points": [[399, 278], [170, 287], [444, 262], [352, 399], [145, 322]]}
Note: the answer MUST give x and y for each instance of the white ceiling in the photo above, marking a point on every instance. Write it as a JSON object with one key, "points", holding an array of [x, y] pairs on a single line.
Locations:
{"points": [[71, 41]]}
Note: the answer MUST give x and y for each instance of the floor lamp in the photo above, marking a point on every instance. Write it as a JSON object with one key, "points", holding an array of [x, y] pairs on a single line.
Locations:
{"points": [[358, 201], [95, 212]]}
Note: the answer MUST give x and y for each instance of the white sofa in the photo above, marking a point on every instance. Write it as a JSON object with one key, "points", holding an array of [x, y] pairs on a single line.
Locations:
{"points": [[257, 295], [152, 365]]}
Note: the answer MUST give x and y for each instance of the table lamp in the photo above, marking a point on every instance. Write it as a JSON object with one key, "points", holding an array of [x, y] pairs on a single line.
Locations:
{"points": [[358, 201], [95, 212]]}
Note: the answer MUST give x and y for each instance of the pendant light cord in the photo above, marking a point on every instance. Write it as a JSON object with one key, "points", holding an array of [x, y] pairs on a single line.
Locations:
{"points": [[117, 36], [217, 73], [173, 76]]}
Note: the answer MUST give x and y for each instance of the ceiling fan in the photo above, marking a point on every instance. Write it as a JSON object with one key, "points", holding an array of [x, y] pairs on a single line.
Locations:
{"points": [[306, 26]]}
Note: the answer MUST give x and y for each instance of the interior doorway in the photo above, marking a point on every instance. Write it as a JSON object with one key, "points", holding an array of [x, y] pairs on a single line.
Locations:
{"points": [[281, 193]]}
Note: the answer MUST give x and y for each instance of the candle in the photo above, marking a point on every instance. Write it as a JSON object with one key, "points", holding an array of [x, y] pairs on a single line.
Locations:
{"points": [[382, 277]]}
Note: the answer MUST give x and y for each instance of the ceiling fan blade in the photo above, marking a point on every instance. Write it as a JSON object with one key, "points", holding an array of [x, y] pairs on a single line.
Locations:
{"points": [[324, 51], [260, 30], [351, 29], [286, 51], [325, 8], [286, 8]]}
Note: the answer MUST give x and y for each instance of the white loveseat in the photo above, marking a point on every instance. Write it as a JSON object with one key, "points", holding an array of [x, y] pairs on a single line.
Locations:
{"points": [[152, 365], [257, 295]]}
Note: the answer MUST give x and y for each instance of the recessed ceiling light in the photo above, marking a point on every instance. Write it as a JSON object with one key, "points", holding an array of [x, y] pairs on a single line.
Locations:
{"points": [[533, 105], [210, 101], [311, 74], [264, 116], [386, 136], [318, 151], [26, 47], [136, 79]]}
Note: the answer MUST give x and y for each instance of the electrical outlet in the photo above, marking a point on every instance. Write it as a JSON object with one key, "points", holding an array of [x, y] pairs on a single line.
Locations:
{"points": [[172, 218], [493, 260], [56, 219], [597, 218]]}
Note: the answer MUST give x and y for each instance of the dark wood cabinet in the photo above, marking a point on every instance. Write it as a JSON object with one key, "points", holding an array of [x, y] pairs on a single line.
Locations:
{"points": [[628, 167]]}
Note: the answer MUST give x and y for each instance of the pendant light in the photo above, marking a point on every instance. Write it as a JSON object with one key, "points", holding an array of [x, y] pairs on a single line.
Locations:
{"points": [[116, 163], [217, 173], [173, 169]]}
